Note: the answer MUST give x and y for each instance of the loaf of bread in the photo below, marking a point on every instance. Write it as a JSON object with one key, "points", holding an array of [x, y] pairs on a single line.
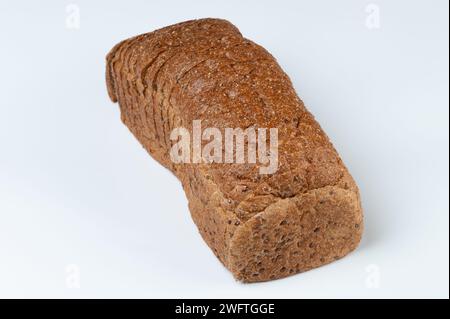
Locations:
{"points": [[261, 226]]}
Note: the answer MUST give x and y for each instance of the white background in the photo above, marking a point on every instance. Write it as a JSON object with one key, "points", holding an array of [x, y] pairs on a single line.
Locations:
{"points": [[81, 199]]}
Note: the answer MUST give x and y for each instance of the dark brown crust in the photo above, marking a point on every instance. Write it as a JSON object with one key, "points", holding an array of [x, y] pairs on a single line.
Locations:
{"points": [[261, 227]]}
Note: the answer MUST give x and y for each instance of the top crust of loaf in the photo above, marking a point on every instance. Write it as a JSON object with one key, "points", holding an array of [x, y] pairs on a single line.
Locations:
{"points": [[214, 74], [205, 69]]}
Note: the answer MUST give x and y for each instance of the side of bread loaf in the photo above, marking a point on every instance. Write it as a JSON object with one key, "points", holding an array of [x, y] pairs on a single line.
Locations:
{"points": [[261, 227]]}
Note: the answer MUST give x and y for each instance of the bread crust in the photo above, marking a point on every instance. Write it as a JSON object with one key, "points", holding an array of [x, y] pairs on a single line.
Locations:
{"points": [[261, 227]]}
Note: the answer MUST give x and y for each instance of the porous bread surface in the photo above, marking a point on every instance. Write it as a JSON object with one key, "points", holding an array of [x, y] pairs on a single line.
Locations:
{"points": [[261, 227]]}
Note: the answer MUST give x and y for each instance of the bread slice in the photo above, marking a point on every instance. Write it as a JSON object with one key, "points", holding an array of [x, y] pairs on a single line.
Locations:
{"points": [[260, 226]]}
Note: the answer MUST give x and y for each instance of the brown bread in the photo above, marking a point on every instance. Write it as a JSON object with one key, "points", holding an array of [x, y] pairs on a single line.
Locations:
{"points": [[260, 226]]}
